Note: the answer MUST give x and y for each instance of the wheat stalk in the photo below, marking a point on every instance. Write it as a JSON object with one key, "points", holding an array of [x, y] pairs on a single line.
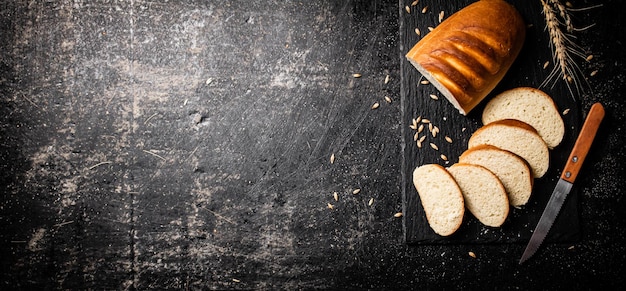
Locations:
{"points": [[564, 49]]}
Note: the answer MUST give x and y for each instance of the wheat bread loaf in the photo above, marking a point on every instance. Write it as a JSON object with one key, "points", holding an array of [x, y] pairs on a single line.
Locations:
{"points": [[468, 54], [512, 170], [483, 193], [531, 106], [517, 137], [441, 198]]}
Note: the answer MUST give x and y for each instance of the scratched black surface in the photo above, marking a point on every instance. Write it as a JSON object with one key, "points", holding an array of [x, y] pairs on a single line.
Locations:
{"points": [[186, 145]]}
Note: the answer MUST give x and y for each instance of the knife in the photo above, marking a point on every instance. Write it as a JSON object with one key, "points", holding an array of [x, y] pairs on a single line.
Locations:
{"points": [[564, 185]]}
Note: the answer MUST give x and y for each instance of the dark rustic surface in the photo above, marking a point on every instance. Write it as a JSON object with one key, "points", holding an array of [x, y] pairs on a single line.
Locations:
{"points": [[186, 144]]}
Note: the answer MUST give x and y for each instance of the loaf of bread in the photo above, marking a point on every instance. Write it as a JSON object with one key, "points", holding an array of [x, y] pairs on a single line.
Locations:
{"points": [[468, 54], [441, 198], [529, 105], [517, 137], [483, 193], [512, 170]]}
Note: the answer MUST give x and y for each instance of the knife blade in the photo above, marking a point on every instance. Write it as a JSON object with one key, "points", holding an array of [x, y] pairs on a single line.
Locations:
{"points": [[566, 180]]}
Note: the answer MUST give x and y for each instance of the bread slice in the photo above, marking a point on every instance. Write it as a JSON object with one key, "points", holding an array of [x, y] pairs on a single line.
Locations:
{"points": [[517, 137], [512, 170], [531, 106], [441, 198], [483, 192]]}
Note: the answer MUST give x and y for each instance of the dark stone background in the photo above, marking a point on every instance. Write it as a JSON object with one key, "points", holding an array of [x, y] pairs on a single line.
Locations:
{"points": [[186, 144]]}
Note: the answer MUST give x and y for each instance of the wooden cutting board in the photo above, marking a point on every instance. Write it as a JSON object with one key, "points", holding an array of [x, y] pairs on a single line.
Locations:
{"points": [[528, 70]]}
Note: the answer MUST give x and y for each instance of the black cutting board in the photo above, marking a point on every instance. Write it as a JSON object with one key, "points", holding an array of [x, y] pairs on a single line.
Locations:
{"points": [[528, 70]]}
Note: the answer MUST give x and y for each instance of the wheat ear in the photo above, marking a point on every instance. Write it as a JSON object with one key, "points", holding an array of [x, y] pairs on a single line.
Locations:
{"points": [[564, 49]]}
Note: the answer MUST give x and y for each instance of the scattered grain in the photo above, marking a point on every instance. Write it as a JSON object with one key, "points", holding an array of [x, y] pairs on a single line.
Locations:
{"points": [[472, 254], [415, 2], [424, 120], [434, 97], [376, 105], [356, 191], [387, 79], [448, 139], [593, 73], [546, 64], [336, 196], [332, 158], [425, 9], [463, 129], [418, 120], [420, 129], [589, 57], [236, 280], [422, 138], [566, 111], [430, 127], [425, 82], [416, 136], [441, 15], [330, 206], [356, 75], [430, 28], [387, 99], [419, 144], [408, 9], [434, 146], [417, 31], [398, 214], [571, 247], [443, 157], [370, 202]]}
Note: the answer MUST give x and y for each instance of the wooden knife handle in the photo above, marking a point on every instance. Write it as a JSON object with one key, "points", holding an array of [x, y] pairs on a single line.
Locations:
{"points": [[583, 143]]}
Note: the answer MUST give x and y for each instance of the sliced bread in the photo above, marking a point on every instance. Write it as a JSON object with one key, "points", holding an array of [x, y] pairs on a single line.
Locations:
{"points": [[517, 137], [512, 170], [529, 105], [483, 192], [441, 198]]}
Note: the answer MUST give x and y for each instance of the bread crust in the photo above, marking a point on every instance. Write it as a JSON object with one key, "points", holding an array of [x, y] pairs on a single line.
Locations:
{"points": [[470, 52]]}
